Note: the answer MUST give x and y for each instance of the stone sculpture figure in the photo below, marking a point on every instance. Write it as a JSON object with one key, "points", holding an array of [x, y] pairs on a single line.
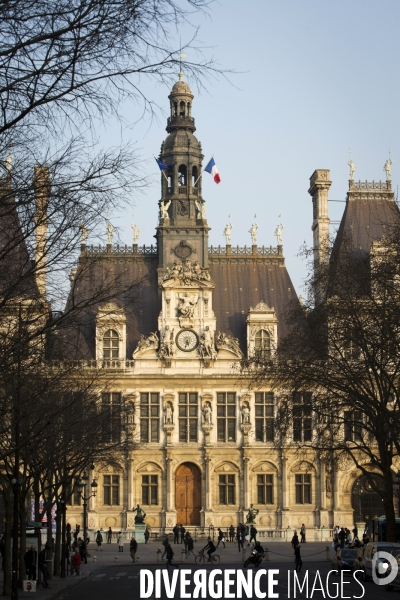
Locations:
{"points": [[201, 208], [387, 168], [110, 233], [167, 343], [207, 413], [84, 232], [278, 234], [136, 232], [245, 413], [253, 233], [227, 233], [206, 348], [151, 341], [186, 305], [168, 413], [251, 515], [352, 169], [140, 514], [164, 206]]}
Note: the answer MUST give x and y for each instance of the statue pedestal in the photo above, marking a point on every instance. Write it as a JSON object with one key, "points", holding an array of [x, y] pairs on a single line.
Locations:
{"points": [[138, 532]]}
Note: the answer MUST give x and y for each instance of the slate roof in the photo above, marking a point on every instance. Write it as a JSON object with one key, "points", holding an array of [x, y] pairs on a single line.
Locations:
{"points": [[238, 286], [16, 272]]}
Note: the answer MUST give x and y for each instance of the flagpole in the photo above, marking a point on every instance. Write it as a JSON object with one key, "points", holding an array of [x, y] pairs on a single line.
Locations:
{"points": [[162, 171], [194, 185]]}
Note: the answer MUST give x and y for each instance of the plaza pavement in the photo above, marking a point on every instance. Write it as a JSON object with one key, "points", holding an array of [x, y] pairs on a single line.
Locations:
{"points": [[147, 555]]}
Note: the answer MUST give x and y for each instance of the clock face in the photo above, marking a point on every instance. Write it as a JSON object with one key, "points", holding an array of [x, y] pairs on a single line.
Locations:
{"points": [[187, 340]]}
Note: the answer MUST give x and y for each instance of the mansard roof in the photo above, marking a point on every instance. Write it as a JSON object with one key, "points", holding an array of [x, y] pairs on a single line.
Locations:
{"points": [[17, 277], [241, 281], [369, 213]]}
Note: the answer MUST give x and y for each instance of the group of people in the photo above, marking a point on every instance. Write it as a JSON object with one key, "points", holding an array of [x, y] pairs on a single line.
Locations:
{"points": [[342, 536], [244, 535], [33, 561]]}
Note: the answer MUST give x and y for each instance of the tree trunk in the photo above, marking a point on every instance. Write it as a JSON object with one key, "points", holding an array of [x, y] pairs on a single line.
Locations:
{"points": [[57, 554], [22, 540], [7, 544], [391, 527], [49, 543]]}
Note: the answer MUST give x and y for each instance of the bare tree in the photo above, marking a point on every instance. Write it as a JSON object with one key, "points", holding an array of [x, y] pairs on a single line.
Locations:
{"points": [[339, 367]]}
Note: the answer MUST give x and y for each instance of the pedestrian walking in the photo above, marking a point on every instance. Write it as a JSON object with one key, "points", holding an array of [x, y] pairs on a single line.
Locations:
{"points": [[30, 560], [99, 540], [297, 558], [43, 567], [239, 537], [76, 563], [165, 544], [146, 535], [253, 534], [176, 534], [303, 533], [190, 546], [221, 537], [120, 541], [182, 533], [342, 537], [170, 556], [295, 539], [231, 533], [109, 535], [83, 551], [133, 549]]}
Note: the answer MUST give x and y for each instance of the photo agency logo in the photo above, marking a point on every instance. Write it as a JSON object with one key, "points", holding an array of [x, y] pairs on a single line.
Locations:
{"points": [[384, 568]]}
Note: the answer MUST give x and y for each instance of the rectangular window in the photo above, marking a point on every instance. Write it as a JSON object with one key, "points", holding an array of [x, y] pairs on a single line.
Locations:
{"points": [[353, 426], [111, 417], [149, 417], [150, 489], [227, 489], [226, 417], [302, 417], [303, 489], [264, 407], [111, 490], [188, 417], [265, 489], [74, 497]]}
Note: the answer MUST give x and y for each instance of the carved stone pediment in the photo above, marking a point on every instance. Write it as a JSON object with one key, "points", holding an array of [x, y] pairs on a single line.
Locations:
{"points": [[228, 343], [146, 345], [187, 274]]}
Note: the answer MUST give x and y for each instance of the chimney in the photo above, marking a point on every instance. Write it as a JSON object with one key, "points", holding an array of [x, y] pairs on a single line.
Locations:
{"points": [[41, 183], [319, 188]]}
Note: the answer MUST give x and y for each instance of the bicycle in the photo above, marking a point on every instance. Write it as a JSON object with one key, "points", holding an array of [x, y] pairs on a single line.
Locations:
{"points": [[201, 558]]}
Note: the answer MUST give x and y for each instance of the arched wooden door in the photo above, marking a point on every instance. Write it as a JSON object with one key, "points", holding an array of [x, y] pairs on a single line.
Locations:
{"points": [[188, 494]]}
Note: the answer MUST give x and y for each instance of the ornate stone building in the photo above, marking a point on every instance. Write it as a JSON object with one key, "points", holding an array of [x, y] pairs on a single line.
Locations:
{"points": [[196, 445]]}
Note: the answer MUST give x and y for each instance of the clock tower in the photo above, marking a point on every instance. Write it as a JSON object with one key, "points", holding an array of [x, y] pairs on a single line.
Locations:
{"points": [[182, 232]]}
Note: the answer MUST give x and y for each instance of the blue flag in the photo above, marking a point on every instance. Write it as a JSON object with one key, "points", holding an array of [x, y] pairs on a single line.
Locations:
{"points": [[163, 167]]}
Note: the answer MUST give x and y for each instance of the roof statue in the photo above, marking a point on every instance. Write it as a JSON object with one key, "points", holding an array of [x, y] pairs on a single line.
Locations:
{"points": [[136, 231], [253, 232], [387, 168], [84, 232], [201, 207], [110, 233], [278, 234], [227, 232], [164, 206], [352, 169]]}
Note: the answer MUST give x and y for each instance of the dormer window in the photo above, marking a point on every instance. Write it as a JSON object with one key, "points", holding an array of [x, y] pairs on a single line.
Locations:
{"points": [[110, 332], [111, 344], [262, 344]]}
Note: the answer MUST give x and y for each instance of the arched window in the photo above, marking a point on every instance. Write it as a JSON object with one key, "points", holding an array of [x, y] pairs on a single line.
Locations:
{"points": [[182, 175], [262, 344], [189, 109], [195, 176], [182, 109], [175, 113], [111, 344]]}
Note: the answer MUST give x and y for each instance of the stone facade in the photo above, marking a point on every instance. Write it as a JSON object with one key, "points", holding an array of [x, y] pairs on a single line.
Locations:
{"points": [[197, 442]]}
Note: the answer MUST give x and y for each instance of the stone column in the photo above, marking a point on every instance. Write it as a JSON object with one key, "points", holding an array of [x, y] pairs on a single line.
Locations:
{"points": [[170, 499], [208, 490], [285, 487], [130, 499], [246, 491]]}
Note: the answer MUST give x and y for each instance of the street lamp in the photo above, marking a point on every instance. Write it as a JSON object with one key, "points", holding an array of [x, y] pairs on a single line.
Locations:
{"points": [[80, 484]]}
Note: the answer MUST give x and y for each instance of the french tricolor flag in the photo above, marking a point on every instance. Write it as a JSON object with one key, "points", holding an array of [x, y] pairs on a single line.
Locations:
{"points": [[212, 169]]}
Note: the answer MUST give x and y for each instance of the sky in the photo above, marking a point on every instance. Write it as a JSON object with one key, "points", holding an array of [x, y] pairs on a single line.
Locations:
{"points": [[312, 79]]}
